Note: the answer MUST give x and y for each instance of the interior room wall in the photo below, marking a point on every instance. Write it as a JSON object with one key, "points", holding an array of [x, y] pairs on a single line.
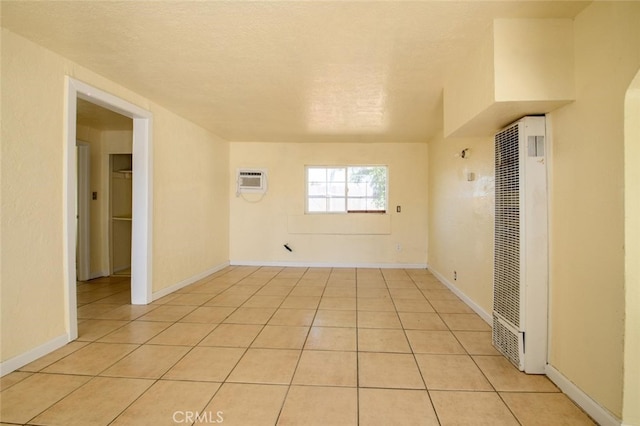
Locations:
{"points": [[470, 89], [260, 227], [461, 216], [33, 142], [587, 301], [191, 200], [533, 59]]}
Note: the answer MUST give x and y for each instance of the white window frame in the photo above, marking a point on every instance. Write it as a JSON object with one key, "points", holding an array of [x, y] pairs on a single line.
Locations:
{"points": [[346, 197]]}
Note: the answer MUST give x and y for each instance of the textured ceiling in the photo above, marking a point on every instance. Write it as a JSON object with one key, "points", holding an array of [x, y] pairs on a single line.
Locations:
{"points": [[291, 71]]}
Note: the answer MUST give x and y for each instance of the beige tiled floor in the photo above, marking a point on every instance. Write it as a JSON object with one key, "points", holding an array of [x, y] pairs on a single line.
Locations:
{"points": [[288, 346]]}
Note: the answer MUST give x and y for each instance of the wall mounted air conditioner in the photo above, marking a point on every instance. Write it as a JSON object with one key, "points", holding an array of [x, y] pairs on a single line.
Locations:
{"points": [[251, 180], [520, 256]]}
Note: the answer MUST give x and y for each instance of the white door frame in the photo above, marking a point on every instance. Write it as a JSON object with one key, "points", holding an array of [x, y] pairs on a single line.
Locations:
{"points": [[141, 290], [83, 225], [631, 380]]}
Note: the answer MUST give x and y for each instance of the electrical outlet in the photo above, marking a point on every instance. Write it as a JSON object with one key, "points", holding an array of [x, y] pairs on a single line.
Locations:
{"points": [[455, 275], [398, 247]]}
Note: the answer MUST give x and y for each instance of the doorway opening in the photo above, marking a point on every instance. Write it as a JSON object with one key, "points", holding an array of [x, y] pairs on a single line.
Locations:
{"points": [[141, 187], [102, 136]]}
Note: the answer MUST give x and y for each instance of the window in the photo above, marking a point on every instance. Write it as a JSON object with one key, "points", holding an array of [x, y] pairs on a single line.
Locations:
{"points": [[347, 189]]}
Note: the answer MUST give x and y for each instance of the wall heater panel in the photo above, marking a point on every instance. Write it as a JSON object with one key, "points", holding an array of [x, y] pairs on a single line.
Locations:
{"points": [[520, 255]]}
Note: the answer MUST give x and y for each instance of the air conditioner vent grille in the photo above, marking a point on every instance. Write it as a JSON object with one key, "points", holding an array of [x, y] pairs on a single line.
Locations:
{"points": [[251, 181], [506, 292]]}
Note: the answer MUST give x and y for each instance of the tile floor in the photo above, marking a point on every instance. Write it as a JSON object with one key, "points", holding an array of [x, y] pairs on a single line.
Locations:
{"points": [[286, 346]]}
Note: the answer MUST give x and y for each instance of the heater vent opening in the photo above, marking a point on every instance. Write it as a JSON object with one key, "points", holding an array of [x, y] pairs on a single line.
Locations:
{"points": [[507, 341]]}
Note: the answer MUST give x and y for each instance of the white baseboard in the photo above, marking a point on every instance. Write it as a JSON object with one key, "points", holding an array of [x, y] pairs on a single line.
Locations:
{"points": [[21, 360], [466, 299], [329, 264], [168, 290], [591, 407]]}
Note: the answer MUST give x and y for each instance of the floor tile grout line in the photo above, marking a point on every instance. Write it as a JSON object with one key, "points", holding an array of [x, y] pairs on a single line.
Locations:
{"points": [[433, 406], [27, 373], [357, 355], [133, 402], [413, 355], [508, 407], [57, 401], [295, 369]]}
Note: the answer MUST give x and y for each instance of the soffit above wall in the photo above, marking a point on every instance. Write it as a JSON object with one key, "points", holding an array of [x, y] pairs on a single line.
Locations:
{"points": [[521, 67]]}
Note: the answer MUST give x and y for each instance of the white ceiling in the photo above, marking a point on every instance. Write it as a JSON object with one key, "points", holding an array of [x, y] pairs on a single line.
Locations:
{"points": [[287, 71]]}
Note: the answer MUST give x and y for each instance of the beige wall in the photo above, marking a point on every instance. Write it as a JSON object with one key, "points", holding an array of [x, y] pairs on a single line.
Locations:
{"points": [[587, 205], [533, 59], [188, 195], [32, 91], [470, 89], [259, 229], [461, 216], [191, 200]]}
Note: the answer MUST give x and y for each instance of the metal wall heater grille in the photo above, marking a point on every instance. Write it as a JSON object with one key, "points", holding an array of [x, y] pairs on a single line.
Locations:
{"points": [[507, 341], [506, 289]]}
